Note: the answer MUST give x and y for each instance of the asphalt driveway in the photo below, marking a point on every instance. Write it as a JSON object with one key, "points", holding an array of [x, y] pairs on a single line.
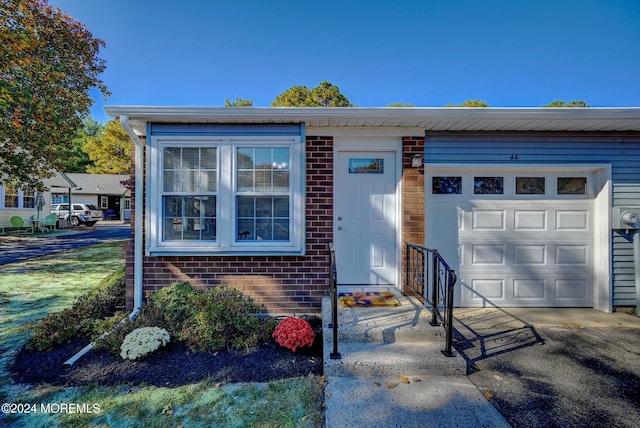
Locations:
{"points": [[16, 248], [554, 367]]}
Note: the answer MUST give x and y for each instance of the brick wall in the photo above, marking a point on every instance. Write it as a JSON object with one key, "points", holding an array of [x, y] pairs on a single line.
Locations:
{"points": [[283, 284], [412, 194]]}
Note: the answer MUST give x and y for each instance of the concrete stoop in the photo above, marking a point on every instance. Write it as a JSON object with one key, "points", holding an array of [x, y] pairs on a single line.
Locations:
{"points": [[392, 372], [387, 341]]}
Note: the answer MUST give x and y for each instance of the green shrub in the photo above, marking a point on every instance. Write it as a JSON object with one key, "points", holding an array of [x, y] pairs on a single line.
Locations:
{"points": [[79, 319], [219, 318], [224, 317], [150, 315], [175, 301]]}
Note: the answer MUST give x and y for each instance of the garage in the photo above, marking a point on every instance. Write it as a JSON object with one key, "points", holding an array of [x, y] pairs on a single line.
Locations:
{"points": [[522, 237]]}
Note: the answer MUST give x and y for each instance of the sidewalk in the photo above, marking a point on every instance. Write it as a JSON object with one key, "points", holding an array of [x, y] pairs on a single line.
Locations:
{"points": [[392, 373]]}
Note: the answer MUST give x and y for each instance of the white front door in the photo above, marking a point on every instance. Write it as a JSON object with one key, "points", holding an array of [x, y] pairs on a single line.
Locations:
{"points": [[365, 226]]}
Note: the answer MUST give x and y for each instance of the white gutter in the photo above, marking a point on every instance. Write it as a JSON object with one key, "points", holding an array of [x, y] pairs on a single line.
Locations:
{"points": [[137, 243]]}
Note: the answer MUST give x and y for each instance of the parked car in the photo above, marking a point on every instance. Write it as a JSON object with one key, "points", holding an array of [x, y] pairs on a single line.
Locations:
{"points": [[87, 214]]}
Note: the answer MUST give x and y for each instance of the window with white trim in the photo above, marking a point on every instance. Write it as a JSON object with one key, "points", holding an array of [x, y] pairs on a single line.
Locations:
{"points": [[13, 197], [236, 195]]}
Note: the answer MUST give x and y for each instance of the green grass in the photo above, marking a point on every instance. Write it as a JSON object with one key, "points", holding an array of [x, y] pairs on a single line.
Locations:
{"points": [[30, 290]]}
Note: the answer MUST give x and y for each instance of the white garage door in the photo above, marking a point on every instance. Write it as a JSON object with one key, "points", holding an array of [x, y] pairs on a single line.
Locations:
{"points": [[515, 239]]}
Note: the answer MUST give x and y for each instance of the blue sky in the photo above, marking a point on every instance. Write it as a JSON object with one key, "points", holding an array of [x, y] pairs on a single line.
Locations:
{"points": [[510, 53]]}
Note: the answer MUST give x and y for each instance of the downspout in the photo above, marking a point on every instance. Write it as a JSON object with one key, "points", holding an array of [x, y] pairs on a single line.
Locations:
{"points": [[137, 228], [137, 237]]}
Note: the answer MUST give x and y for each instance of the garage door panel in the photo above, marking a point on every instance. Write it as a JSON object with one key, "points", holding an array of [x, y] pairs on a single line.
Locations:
{"points": [[488, 288], [530, 289], [572, 255], [530, 255], [572, 220], [488, 220], [528, 220], [572, 289], [483, 255]]}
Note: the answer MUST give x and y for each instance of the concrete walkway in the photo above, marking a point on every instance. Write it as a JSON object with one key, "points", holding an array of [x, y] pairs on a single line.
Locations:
{"points": [[392, 372]]}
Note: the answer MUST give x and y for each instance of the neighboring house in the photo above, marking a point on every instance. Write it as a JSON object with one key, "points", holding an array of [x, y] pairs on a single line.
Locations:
{"points": [[15, 201], [522, 202], [106, 191]]}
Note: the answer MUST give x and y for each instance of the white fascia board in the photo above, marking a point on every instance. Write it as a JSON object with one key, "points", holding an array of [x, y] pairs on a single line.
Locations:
{"points": [[365, 116]]}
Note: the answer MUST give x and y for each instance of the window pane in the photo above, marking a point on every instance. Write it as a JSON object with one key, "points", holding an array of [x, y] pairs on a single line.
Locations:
{"points": [[264, 207], [263, 159], [281, 181], [189, 218], [190, 158], [245, 181], [246, 230], [488, 185], [572, 185], [171, 157], [446, 185], [208, 158], [245, 158], [263, 181], [263, 218], [530, 185], [208, 181], [281, 230], [281, 206], [281, 158]]}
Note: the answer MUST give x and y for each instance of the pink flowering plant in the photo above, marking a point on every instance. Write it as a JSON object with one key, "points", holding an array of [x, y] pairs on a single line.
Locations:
{"points": [[294, 333]]}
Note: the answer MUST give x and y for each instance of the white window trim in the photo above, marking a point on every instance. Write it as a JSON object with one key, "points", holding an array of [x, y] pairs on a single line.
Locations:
{"points": [[20, 199], [226, 243]]}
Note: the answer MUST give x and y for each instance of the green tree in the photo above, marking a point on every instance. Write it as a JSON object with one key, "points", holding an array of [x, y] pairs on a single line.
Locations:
{"points": [[323, 95], [76, 159], [48, 63], [401, 105], [110, 151], [239, 102], [562, 103], [470, 103]]}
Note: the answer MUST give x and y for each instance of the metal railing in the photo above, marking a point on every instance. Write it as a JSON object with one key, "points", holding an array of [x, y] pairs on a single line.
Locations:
{"points": [[429, 276], [333, 273]]}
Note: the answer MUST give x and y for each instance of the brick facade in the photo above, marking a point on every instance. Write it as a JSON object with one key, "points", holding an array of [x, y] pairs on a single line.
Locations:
{"points": [[286, 284], [283, 284], [412, 194]]}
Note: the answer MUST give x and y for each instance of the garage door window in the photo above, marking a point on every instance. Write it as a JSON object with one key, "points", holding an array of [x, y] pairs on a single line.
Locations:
{"points": [[530, 185], [488, 185], [446, 185], [572, 185]]}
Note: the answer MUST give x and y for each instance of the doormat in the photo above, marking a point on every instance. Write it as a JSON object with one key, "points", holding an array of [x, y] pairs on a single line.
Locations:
{"points": [[369, 299]]}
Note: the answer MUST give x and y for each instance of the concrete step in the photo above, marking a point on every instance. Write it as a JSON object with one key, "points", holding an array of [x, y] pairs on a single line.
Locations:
{"points": [[407, 322], [366, 359], [387, 341]]}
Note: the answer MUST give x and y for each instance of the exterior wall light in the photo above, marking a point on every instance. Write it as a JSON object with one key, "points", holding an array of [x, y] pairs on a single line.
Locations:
{"points": [[416, 161]]}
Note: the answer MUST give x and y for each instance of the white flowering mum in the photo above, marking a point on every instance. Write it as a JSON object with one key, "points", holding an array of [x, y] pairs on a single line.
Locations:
{"points": [[143, 341]]}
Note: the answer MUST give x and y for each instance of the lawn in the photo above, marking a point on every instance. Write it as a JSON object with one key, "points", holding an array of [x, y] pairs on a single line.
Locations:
{"points": [[30, 290]]}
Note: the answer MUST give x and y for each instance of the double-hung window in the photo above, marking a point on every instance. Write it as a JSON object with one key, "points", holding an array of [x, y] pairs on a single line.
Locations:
{"points": [[240, 195]]}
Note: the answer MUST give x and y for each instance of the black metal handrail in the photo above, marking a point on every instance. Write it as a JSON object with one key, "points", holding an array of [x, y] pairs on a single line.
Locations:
{"points": [[429, 276], [335, 355]]}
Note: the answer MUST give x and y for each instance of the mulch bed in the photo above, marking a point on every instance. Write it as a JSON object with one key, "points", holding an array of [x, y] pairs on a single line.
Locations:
{"points": [[172, 365]]}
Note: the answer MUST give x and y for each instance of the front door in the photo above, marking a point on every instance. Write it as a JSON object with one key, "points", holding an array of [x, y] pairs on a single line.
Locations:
{"points": [[365, 218]]}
